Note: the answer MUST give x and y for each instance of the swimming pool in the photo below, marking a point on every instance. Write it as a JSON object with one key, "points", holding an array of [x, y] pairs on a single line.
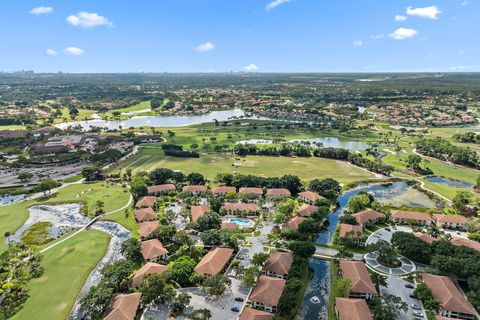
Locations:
{"points": [[242, 223]]}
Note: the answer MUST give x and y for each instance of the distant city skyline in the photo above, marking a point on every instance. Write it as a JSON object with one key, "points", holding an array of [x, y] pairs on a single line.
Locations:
{"points": [[240, 36]]}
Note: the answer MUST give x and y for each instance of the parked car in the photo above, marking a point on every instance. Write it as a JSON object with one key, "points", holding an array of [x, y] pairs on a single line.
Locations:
{"points": [[415, 306], [394, 227], [412, 296], [388, 229], [235, 309], [418, 314], [239, 299], [410, 286]]}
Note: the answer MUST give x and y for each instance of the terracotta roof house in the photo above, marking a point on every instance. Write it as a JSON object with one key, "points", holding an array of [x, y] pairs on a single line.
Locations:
{"points": [[145, 214], [214, 261], [348, 228], [403, 217], [254, 314], [293, 223], [362, 285], [452, 302], [267, 293], [195, 189], [306, 210], [425, 237], [450, 221], [364, 216], [310, 197], [224, 190], [161, 189], [255, 191], [278, 193], [198, 211], [147, 268], [229, 226], [278, 264], [233, 208], [153, 250], [145, 202], [472, 244], [352, 309], [145, 228], [123, 306]]}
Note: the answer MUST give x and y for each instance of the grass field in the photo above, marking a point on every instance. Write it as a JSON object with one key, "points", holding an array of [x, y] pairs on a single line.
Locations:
{"points": [[83, 114], [141, 106], [12, 217], [67, 266], [149, 158]]}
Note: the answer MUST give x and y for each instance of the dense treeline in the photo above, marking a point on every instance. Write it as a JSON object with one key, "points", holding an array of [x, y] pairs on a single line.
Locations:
{"points": [[291, 149], [441, 149], [374, 166], [467, 137], [176, 150], [289, 182]]}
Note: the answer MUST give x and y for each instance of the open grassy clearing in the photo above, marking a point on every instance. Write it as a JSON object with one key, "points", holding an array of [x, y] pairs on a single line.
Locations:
{"points": [[66, 268], [149, 158], [83, 114], [138, 107], [12, 217], [446, 191]]}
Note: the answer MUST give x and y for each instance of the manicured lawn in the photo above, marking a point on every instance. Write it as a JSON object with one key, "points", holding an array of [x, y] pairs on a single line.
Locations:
{"points": [[149, 158], [446, 191], [83, 114], [12, 217], [66, 268], [73, 179], [141, 106], [13, 127]]}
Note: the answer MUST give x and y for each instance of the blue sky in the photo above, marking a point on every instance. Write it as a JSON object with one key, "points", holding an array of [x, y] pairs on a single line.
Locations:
{"points": [[235, 35]]}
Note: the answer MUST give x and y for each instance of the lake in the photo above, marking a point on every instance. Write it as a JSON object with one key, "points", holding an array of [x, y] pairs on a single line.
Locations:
{"points": [[449, 182], [324, 142], [160, 121]]}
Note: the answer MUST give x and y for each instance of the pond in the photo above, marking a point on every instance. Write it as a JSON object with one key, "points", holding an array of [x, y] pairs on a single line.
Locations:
{"points": [[160, 121], [449, 182], [324, 142], [8, 199], [396, 194]]}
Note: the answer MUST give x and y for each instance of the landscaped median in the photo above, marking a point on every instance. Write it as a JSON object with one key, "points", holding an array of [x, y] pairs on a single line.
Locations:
{"points": [[67, 266]]}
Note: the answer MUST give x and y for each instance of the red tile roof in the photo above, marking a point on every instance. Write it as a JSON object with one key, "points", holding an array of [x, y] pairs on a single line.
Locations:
{"points": [[352, 309], [306, 210], [195, 188], [199, 211], [278, 192], [145, 228], [347, 228], [425, 237], [268, 290], [358, 274], [148, 201], [447, 294], [214, 261], [363, 216], [449, 218], [254, 314], [145, 214], [152, 249], [258, 191], [247, 207], [123, 306], [411, 215], [279, 262], [294, 223], [161, 188], [312, 196], [225, 189], [147, 268], [472, 244]]}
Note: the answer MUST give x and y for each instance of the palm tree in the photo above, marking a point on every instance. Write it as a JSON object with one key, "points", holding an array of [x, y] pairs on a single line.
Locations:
{"points": [[379, 280]]}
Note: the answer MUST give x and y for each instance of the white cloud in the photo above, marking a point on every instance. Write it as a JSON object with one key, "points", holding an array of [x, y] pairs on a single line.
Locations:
{"points": [[431, 12], [73, 51], [251, 68], [378, 36], [41, 10], [204, 47], [51, 53], [275, 3], [403, 33], [358, 43], [88, 20], [400, 18]]}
